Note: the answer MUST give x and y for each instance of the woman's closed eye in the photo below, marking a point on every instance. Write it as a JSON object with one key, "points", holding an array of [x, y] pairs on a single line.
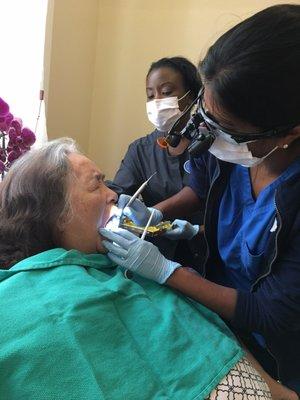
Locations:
{"points": [[97, 181]]}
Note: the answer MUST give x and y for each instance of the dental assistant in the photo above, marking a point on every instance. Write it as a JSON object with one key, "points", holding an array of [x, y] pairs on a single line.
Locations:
{"points": [[249, 185], [172, 84]]}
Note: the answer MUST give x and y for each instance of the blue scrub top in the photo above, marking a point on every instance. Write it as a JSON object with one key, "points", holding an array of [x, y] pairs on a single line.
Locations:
{"points": [[244, 227]]}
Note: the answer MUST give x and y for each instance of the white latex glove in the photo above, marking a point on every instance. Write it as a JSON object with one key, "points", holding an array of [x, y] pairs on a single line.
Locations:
{"points": [[182, 230], [138, 212], [137, 255]]}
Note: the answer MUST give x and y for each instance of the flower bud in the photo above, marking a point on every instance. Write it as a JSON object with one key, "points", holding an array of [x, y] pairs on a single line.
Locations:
{"points": [[5, 122], [28, 137], [12, 156], [17, 124], [4, 108], [12, 134], [8, 118]]}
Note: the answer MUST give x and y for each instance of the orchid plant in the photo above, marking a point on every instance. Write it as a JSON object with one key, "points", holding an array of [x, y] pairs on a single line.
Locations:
{"points": [[15, 139]]}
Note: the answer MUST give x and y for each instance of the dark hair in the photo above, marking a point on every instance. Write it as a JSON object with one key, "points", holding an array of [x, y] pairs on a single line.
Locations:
{"points": [[187, 70], [253, 69], [33, 196]]}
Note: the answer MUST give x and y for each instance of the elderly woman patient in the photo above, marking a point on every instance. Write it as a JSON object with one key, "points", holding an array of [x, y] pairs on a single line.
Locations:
{"points": [[72, 326]]}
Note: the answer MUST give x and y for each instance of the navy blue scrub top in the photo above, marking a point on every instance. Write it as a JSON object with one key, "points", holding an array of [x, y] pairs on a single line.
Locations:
{"points": [[244, 227], [245, 224]]}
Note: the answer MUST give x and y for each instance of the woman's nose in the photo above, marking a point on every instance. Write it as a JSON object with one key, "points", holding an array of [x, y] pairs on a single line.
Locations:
{"points": [[112, 196], [158, 95]]}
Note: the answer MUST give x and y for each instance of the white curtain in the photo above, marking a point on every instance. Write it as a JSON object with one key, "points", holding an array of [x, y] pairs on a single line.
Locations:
{"points": [[22, 38]]}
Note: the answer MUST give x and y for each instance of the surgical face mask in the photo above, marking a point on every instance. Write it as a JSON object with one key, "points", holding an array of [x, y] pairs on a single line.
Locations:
{"points": [[162, 113], [225, 148]]}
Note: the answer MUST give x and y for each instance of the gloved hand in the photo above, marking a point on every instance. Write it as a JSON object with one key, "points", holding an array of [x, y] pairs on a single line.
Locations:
{"points": [[182, 230], [138, 212], [137, 255]]}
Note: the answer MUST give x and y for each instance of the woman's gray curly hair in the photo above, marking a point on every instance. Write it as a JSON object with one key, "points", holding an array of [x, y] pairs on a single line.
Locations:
{"points": [[33, 197]]}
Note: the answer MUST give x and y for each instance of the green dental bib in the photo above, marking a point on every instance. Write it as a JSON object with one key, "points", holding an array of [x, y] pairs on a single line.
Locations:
{"points": [[72, 327]]}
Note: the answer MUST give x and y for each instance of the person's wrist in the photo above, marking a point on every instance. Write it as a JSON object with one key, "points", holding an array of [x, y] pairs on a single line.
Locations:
{"points": [[169, 268], [175, 276]]}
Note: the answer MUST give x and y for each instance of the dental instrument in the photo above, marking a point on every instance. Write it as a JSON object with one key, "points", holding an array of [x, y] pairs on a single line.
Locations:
{"points": [[147, 225], [140, 189]]}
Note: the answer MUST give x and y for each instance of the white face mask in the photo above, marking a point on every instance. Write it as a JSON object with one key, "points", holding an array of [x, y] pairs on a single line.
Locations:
{"points": [[225, 148], [162, 113]]}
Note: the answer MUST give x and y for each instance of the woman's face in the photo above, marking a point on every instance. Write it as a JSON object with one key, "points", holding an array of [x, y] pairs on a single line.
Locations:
{"points": [[258, 148], [91, 203], [166, 82]]}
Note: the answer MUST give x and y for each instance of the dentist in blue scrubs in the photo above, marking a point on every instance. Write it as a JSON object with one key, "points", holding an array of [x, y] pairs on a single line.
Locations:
{"points": [[248, 183]]}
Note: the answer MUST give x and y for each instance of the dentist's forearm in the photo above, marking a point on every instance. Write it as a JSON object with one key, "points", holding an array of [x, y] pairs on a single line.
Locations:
{"points": [[219, 299], [181, 205]]}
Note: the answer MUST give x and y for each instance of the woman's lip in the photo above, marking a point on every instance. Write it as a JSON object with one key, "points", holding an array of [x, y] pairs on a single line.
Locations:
{"points": [[106, 219], [109, 218]]}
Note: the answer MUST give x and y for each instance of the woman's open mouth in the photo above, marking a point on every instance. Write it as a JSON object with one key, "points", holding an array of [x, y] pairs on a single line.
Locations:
{"points": [[113, 219]]}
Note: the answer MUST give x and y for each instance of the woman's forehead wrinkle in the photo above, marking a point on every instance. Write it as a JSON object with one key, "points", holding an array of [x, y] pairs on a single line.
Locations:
{"points": [[84, 169]]}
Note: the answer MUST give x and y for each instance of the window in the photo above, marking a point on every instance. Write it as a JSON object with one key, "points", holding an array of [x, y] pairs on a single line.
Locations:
{"points": [[22, 32]]}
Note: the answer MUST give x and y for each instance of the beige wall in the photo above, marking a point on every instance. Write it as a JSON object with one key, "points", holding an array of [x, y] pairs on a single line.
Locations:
{"points": [[100, 51], [69, 68]]}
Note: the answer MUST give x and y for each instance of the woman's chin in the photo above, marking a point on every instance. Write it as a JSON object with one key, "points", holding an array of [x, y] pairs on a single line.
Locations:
{"points": [[100, 248]]}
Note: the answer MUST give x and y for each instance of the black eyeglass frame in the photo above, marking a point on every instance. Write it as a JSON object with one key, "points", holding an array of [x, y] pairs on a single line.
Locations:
{"points": [[238, 137]]}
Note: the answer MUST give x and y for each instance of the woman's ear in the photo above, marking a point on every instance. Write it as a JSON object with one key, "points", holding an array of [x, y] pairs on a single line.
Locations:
{"points": [[61, 233], [62, 223], [287, 140]]}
